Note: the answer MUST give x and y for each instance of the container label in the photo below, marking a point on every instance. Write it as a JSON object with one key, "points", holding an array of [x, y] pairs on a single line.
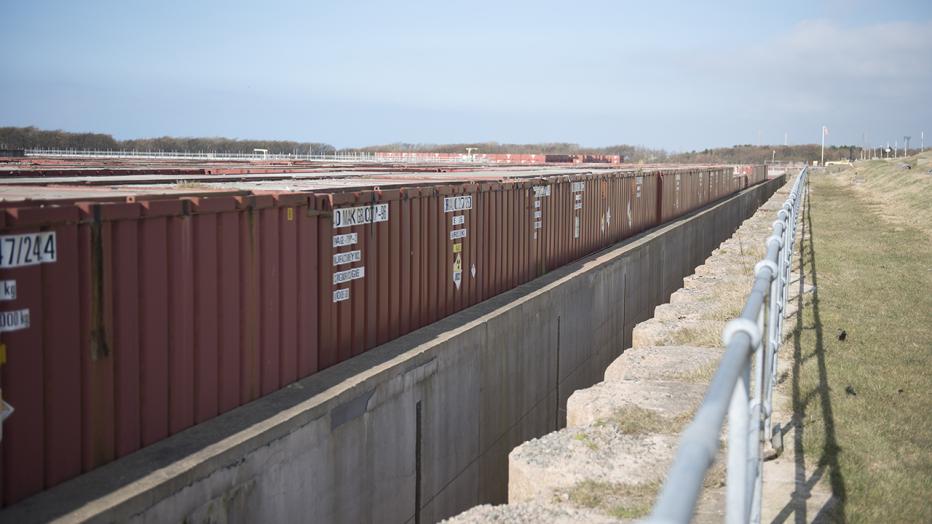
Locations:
{"points": [[579, 187], [577, 205], [541, 191], [340, 295], [7, 290], [350, 274], [357, 216], [457, 203], [346, 258], [457, 233], [457, 248], [537, 214], [459, 220], [344, 240], [27, 250], [538, 224], [14, 320], [578, 198], [537, 203]]}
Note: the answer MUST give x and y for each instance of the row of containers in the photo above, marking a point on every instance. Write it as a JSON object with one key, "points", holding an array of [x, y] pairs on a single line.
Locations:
{"points": [[498, 158], [124, 322]]}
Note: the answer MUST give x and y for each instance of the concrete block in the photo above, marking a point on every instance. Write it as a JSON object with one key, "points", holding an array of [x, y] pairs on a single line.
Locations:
{"points": [[530, 513], [662, 363], [559, 460], [669, 399]]}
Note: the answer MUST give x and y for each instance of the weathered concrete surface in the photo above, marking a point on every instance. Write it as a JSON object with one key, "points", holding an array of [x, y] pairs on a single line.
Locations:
{"points": [[600, 453], [609, 459], [666, 399], [340, 446]]}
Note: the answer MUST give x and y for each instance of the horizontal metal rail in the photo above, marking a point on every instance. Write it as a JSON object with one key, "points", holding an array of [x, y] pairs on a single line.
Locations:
{"points": [[751, 344]]}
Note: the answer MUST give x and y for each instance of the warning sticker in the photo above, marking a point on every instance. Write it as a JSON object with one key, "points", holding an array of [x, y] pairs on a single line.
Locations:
{"points": [[457, 248], [458, 271], [356, 216], [7, 290], [14, 320]]}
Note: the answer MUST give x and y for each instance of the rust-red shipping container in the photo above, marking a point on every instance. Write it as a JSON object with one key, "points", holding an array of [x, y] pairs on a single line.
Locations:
{"points": [[135, 319]]}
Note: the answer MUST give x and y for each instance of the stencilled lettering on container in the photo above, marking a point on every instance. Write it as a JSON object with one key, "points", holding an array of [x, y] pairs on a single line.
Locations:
{"points": [[541, 191], [340, 295], [457, 203], [350, 274], [344, 240], [14, 320], [7, 290], [347, 258], [27, 250], [357, 216]]}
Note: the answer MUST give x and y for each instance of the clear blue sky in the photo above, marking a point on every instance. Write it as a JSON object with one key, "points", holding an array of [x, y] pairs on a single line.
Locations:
{"points": [[678, 75]]}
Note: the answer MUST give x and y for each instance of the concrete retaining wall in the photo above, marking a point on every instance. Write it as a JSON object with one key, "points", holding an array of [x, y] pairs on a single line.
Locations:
{"points": [[426, 421]]}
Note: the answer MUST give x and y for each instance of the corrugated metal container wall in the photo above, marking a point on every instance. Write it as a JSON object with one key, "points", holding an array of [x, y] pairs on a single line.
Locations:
{"points": [[224, 283], [135, 320]]}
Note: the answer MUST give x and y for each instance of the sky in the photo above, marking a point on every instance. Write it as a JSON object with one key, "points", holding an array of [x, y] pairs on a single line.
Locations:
{"points": [[674, 75]]}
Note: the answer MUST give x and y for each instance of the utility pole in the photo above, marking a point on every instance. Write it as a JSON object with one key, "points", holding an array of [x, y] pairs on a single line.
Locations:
{"points": [[906, 145], [896, 148], [922, 138]]}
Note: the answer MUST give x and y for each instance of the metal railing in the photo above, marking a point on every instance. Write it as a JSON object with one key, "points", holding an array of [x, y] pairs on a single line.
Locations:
{"points": [[751, 343]]}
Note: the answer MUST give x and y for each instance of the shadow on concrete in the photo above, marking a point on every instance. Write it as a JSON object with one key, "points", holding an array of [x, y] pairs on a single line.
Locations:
{"points": [[834, 508]]}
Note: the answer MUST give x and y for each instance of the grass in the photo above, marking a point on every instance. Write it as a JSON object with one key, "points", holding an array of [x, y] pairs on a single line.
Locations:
{"points": [[629, 501], [635, 420], [862, 406], [622, 501]]}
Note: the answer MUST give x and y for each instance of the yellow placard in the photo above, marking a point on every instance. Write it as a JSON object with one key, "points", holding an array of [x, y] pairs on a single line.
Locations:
{"points": [[457, 248]]}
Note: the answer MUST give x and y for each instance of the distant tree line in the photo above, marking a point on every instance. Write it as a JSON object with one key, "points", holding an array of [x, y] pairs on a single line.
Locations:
{"points": [[31, 137]]}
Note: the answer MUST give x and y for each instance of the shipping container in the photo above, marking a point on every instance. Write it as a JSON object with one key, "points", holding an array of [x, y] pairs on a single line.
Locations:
{"points": [[134, 310]]}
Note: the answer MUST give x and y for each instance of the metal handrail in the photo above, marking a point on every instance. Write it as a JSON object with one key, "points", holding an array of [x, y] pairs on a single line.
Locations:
{"points": [[752, 341]]}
